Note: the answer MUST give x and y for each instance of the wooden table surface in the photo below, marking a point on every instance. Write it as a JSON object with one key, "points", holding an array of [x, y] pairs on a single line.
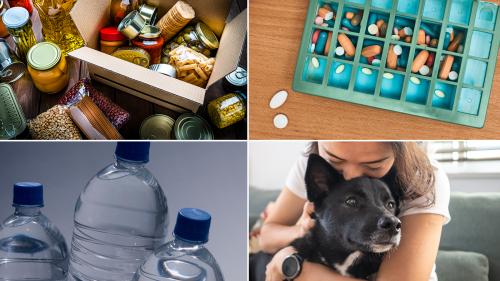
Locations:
{"points": [[275, 29], [35, 102]]}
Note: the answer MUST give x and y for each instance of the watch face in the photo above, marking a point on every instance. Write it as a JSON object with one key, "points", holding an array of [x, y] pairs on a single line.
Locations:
{"points": [[290, 266]]}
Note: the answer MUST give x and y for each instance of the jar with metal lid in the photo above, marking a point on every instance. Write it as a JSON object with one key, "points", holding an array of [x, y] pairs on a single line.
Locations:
{"points": [[18, 23], [227, 109], [119, 9], [3, 8], [22, 3], [48, 67], [150, 40], [236, 80], [199, 38], [111, 40]]}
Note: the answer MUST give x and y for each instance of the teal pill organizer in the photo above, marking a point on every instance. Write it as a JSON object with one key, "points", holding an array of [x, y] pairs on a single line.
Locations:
{"points": [[460, 97]]}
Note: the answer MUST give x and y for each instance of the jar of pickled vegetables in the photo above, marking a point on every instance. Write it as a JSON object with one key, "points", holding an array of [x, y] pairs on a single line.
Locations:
{"points": [[22, 3], [18, 24], [199, 38], [150, 40], [3, 8], [227, 109], [119, 9], [48, 67]]}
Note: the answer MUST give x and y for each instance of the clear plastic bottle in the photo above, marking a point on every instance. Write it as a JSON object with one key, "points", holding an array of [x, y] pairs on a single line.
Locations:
{"points": [[31, 246], [121, 216], [57, 25], [185, 258]]}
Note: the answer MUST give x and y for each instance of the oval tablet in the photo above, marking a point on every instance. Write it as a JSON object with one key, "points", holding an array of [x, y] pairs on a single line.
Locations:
{"points": [[415, 80], [340, 68], [453, 75], [439, 93], [392, 58], [315, 62], [367, 71], [419, 61], [278, 99], [388, 75], [445, 69], [397, 49], [280, 121], [346, 43], [371, 51]]}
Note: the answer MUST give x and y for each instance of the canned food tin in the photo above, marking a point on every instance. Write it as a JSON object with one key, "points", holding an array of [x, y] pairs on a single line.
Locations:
{"points": [[190, 126], [157, 127], [132, 25], [12, 120], [11, 67], [148, 13], [165, 69], [134, 55], [236, 80]]}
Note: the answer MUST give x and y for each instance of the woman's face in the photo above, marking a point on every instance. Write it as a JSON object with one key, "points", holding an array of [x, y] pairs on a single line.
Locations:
{"points": [[357, 159]]}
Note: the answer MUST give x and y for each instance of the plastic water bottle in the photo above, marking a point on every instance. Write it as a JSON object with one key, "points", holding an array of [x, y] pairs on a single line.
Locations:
{"points": [[31, 246], [121, 216], [185, 258]]}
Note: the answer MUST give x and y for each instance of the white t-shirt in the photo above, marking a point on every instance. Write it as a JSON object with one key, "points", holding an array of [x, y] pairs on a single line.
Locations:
{"points": [[295, 183]]}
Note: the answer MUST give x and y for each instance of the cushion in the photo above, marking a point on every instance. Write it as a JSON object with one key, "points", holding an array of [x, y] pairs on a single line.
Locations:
{"points": [[461, 266]]}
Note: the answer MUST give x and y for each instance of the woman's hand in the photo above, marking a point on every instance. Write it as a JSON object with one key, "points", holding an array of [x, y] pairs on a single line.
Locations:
{"points": [[307, 221], [273, 268]]}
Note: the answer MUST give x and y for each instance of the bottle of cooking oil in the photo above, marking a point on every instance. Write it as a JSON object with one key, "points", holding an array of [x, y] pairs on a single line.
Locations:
{"points": [[57, 25]]}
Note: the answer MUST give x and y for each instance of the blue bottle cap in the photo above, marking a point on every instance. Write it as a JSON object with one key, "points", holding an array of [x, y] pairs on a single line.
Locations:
{"points": [[133, 151], [192, 225], [15, 17], [28, 194]]}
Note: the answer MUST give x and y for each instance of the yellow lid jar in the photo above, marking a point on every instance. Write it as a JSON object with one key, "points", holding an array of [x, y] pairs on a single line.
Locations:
{"points": [[48, 67]]}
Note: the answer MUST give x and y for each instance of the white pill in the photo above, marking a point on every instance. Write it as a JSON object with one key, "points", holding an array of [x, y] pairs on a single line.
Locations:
{"points": [[388, 75], [408, 31], [315, 62], [367, 71], [442, 57], [339, 51], [460, 49], [395, 37], [424, 70], [340, 68], [376, 62], [313, 47], [373, 29], [439, 93], [397, 50], [453, 75], [280, 121], [415, 80], [278, 99]]}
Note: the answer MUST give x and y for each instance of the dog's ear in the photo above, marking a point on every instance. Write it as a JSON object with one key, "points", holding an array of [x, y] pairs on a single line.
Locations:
{"points": [[320, 178]]}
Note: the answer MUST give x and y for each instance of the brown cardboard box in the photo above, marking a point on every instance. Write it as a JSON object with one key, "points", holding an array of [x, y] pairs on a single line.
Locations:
{"points": [[90, 16]]}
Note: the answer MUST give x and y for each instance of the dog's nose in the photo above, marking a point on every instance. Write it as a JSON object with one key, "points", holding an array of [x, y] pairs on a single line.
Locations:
{"points": [[390, 224]]}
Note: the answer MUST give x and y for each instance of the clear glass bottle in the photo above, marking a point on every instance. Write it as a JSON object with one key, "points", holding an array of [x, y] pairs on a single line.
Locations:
{"points": [[185, 258], [18, 24], [121, 216], [31, 246], [227, 109], [57, 25], [119, 9]]}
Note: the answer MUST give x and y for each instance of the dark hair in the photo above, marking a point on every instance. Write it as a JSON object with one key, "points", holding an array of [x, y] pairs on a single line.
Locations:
{"points": [[413, 172]]}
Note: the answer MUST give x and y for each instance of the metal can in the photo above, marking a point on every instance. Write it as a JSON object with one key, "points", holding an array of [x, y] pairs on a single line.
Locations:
{"points": [[134, 55], [132, 25], [190, 126], [148, 13], [236, 80], [11, 67], [12, 119], [157, 127], [164, 68]]}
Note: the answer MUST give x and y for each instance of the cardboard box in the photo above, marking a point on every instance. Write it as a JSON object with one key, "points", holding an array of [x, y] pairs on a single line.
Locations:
{"points": [[90, 16]]}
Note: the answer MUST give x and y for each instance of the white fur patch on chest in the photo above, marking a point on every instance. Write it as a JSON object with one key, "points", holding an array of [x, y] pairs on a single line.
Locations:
{"points": [[350, 260]]}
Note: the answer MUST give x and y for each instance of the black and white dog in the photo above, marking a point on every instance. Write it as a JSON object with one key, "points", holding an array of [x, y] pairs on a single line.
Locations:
{"points": [[355, 226]]}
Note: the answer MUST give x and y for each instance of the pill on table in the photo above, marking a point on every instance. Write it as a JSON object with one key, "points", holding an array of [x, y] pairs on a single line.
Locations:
{"points": [[345, 28], [349, 15], [439, 93], [324, 24], [383, 29], [325, 14], [408, 39], [415, 80], [456, 42], [453, 76], [346, 43], [356, 20], [430, 59], [315, 36], [460, 49], [373, 29], [446, 43], [315, 62], [376, 62], [395, 37], [400, 68], [427, 39], [396, 31], [280, 121], [313, 46], [380, 23], [388, 75], [398, 50], [278, 99], [367, 71], [372, 19], [371, 51], [445, 69], [424, 70], [339, 51], [434, 43], [419, 61], [392, 58], [370, 59], [328, 42], [318, 20], [340, 68], [421, 37]]}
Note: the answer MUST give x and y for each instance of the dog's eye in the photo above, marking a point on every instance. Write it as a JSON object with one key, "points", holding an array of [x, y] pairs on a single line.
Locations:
{"points": [[390, 205], [351, 201]]}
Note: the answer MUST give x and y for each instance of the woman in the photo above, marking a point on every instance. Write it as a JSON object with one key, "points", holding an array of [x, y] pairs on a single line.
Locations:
{"points": [[420, 186]]}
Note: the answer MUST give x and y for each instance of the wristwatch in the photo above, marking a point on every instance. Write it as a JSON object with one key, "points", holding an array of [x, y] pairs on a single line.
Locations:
{"points": [[292, 266]]}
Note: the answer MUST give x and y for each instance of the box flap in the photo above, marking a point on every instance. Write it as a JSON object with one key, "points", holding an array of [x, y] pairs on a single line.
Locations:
{"points": [[229, 51], [90, 16], [140, 74]]}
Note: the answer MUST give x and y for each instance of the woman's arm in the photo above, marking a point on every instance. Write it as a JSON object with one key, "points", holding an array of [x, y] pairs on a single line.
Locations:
{"points": [[279, 229]]}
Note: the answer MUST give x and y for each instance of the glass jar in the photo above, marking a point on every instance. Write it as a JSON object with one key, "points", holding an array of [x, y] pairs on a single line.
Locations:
{"points": [[150, 40], [48, 67], [57, 25], [3, 30], [22, 3], [18, 24], [199, 38], [227, 109], [111, 40], [119, 9]]}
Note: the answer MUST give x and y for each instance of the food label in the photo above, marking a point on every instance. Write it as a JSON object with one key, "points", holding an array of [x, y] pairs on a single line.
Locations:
{"points": [[147, 43]]}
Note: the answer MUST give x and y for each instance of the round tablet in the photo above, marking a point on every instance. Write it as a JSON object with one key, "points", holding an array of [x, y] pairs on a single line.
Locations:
{"points": [[278, 99], [397, 49], [367, 71], [373, 29], [376, 62], [340, 68], [415, 80], [315, 62], [424, 70], [453, 75], [318, 20], [339, 51], [280, 121], [388, 75], [439, 93]]}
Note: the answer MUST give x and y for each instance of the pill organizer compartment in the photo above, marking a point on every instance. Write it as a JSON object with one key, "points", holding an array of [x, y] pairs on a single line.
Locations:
{"points": [[427, 69], [460, 11], [418, 90], [434, 9], [347, 23], [323, 22], [408, 6], [344, 56], [323, 39], [314, 73], [392, 85], [431, 28], [402, 61], [480, 44], [368, 59], [402, 22], [340, 75], [469, 101], [457, 31], [486, 15], [366, 80], [382, 4], [374, 18], [444, 95], [475, 72]]}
